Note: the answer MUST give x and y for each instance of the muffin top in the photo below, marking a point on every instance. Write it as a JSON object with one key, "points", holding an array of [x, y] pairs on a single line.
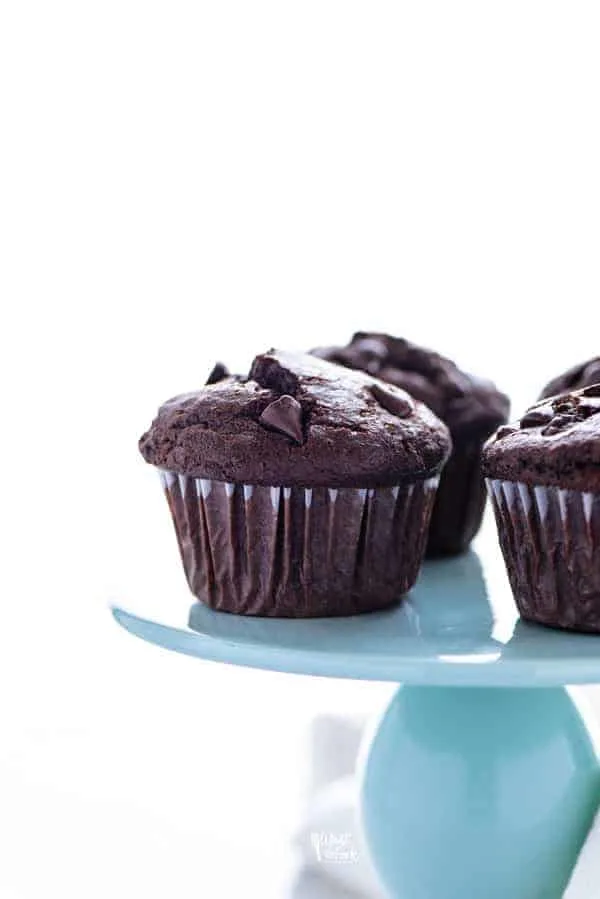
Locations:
{"points": [[583, 375], [557, 442], [467, 404], [297, 421]]}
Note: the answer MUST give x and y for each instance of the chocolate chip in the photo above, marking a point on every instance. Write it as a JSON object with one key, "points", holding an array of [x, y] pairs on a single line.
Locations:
{"points": [[564, 404], [592, 390], [284, 415], [536, 417], [218, 373], [393, 401], [589, 407], [504, 431], [272, 375], [560, 423]]}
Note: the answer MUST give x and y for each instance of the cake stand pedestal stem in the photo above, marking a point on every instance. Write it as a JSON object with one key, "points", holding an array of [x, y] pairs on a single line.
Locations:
{"points": [[474, 792]]}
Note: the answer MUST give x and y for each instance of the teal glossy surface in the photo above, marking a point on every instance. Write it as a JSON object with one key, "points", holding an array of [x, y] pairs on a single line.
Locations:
{"points": [[479, 793], [458, 626]]}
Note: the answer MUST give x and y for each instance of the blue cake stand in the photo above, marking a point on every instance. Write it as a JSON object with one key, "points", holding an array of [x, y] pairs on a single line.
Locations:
{"points": [[482, 779]]}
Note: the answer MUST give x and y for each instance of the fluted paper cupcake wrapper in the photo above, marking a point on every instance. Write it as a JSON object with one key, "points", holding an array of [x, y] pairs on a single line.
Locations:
{"points": [[295, 552], [550, 540], [460, 501]]}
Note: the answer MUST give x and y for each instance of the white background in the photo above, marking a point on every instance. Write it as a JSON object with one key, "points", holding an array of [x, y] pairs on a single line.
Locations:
{"points": [[181, 182]]}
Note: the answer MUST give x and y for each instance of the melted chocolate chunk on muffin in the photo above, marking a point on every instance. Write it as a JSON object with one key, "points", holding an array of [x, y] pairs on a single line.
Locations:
{"points": [[297, 420], [556, 442], [575, 378], [219, 373], [471, 407]]}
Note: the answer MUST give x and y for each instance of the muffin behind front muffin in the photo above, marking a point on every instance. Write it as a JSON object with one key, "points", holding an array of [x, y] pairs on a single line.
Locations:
{"points": [[471, 407], [301, 490]]}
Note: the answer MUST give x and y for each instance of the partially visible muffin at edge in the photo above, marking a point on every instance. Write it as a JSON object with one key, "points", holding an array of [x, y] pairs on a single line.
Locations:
{"points": [[471, 407], [300, 490], [543, 475]]}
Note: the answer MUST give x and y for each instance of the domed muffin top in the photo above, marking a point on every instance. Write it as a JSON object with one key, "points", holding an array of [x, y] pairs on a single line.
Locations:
{"points": [[556, 442], [297, 421], [467, 404], [583, 375]]}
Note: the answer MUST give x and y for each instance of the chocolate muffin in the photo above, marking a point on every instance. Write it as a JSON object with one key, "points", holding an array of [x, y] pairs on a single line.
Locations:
{"points": [[300, 490], [544, 479], [472, 409], [574, 378]]}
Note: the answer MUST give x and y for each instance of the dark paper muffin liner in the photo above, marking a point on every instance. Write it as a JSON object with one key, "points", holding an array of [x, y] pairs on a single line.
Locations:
{"points": [[295, 552], [460, 501], [550, 540]]}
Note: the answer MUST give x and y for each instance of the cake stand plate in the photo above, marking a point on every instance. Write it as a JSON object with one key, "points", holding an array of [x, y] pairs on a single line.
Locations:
{"points": [[483, 777], [458, 627]]}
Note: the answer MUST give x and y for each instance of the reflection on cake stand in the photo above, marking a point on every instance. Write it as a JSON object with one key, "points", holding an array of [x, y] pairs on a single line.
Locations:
{"points": [[482, 778]]}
